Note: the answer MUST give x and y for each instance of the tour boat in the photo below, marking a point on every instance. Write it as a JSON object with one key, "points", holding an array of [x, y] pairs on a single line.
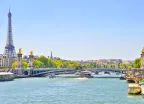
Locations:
{"points": [[52, 75], [6, 76], [84, 74], [107, 74]]}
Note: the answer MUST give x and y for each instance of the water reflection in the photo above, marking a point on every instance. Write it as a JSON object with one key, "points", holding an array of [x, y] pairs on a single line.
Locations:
{"points": [[81, 78], [134, 96]]}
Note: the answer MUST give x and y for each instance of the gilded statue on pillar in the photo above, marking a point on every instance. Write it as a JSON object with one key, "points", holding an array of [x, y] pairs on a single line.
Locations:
{"points": [[20, 51], [31, 52]]}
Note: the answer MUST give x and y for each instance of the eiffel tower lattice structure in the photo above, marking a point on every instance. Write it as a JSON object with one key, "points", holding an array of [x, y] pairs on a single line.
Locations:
{"points": [[10, 48]]}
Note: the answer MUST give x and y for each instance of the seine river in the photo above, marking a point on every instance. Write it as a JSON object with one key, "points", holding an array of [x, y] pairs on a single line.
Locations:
{"points": [[66, 91]]}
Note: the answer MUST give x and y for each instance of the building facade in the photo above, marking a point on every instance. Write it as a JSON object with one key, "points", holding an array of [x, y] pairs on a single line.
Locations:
{"points": [[5, 61]]}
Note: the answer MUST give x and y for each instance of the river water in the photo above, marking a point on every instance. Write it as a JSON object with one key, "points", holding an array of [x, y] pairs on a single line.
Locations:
{"points": [[66, 91]]}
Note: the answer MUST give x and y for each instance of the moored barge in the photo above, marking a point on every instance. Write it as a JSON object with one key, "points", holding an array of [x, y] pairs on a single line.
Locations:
{"points": [[6, 76]]}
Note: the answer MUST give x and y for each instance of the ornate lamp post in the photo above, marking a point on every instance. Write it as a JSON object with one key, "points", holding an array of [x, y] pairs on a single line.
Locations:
{"points": [[31, 56], [19, 64]]}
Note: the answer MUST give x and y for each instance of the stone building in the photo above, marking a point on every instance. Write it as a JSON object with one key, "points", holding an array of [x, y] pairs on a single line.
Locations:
{"points": [[5, 61]]}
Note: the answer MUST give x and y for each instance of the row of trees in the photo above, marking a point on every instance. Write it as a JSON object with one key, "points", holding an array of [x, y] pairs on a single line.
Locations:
{"points": [[135, 64], [43, 62], [121, 65]]}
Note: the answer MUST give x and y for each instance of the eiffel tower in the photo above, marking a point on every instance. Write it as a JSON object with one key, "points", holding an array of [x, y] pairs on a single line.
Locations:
{"points": [[10, 48]]}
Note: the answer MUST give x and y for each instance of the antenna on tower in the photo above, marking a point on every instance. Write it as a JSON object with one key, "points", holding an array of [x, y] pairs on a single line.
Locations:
{"points": [[51, 57], [9, 9]]}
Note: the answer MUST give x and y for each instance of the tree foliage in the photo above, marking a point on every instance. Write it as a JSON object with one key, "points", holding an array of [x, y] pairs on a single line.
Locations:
{"points": [[24, 64], [51, 64], [137, 63], [44, 60], [59, 63], [38, 64]]}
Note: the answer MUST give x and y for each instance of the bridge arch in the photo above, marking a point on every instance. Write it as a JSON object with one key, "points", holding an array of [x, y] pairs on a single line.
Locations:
{"points": [[25, 72]]}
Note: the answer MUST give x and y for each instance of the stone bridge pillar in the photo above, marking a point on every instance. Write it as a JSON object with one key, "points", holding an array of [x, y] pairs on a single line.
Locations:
{"points": [[31, 61], [30, 64], [19, 63], [142, 59], [31, 56]]}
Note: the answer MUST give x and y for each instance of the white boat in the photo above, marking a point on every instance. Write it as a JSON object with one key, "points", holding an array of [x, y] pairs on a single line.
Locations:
{"points": [[107, 74], [6, 76], [84, 74], [52, 75]]}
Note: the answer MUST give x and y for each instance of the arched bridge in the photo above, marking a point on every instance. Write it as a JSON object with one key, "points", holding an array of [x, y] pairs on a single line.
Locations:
{"points": [[45, 71]]}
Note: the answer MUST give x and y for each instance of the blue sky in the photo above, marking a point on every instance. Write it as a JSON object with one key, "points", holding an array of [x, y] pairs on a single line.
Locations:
{"points": [[76, 29]]}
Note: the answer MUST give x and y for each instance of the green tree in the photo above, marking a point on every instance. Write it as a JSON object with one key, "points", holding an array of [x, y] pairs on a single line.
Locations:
{"points": [[93, 65], [37, 64], [114, 66], [129, 66], [44, 60], [58, 63], [98, 65], [137, 63], [24, 64], [87, 65], [122, 66], [51, 64]]}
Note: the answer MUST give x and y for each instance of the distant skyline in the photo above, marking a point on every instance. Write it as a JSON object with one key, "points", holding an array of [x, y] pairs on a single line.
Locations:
{"points": [[75, 29]]}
